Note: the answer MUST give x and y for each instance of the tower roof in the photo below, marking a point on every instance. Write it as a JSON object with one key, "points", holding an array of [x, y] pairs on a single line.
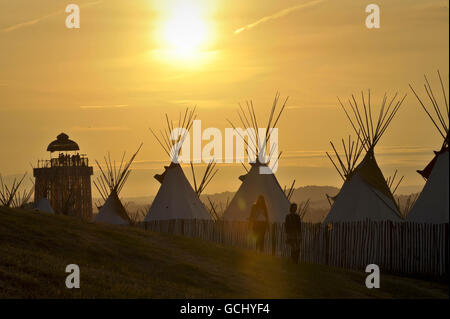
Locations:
{"points": [[62, 143]]}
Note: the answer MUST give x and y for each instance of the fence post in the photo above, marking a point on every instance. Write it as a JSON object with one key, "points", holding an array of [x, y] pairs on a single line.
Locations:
{"points": [[390, 234], [182, 227], [397, 247], [274, 238], [326, 243]]}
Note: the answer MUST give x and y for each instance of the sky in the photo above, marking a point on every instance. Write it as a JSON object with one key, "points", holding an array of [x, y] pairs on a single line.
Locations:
{"points": [[130, 62]]}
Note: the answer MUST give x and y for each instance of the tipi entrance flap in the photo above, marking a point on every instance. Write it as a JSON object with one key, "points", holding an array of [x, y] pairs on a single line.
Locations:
{"points": [[429, 168]]}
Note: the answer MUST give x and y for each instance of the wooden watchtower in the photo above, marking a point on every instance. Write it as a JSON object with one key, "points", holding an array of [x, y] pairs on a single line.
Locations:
{"points": [[65, 180]]}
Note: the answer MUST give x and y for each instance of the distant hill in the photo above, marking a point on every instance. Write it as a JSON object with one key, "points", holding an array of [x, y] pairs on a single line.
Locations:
{"points": [[316, 195], [317, 211], [126, 262], [318, 206]]}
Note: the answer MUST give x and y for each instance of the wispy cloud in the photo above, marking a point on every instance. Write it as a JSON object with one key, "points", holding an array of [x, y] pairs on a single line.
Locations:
{"points": [[30, 22], [381, 150], [37, 20], [279, 14], [312, 106], [209, 103], [100, 128], [90, 107]]}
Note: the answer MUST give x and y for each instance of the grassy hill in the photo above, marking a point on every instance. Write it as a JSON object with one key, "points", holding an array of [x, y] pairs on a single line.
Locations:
{"points": [[123, 262]]}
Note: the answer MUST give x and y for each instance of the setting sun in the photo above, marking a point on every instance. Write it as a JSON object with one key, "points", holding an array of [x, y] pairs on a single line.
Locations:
{"points": [[185, 32]]}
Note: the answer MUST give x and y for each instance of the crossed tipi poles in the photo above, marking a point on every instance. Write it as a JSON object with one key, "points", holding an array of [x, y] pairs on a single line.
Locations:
{"points": [[109, 184], [257, 144], [15, 195], [439, 116]]}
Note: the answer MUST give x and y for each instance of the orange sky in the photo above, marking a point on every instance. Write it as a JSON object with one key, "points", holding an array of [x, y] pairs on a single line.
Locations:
{"points": [[106, 83]]}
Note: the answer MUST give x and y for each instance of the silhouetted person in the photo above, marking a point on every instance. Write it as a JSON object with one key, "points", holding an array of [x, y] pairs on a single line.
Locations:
{"points": [[259, 220], [292, 226]]}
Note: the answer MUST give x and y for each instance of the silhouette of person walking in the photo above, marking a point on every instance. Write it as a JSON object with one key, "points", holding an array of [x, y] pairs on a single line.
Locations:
{"points": [[293, 231], [259, 221]]}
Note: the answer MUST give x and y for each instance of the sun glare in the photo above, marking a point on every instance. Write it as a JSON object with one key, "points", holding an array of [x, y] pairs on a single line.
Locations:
{"points": [[186, 32]]}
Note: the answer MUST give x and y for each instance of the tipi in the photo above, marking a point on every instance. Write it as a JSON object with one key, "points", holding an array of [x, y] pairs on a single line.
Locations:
{"points": [[176, 199], [109, 184], [432, 205], [365, 194], [254, 183], [43, 205]]}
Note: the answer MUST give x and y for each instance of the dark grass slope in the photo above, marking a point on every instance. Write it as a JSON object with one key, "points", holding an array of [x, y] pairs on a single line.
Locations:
{"points": [[123, 262]]}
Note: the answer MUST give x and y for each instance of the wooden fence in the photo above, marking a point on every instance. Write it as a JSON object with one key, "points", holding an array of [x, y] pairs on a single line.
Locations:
{"points": [[403, 248]]}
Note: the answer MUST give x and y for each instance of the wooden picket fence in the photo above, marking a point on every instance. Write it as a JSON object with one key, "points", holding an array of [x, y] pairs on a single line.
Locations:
{"points": [[402, 248]]}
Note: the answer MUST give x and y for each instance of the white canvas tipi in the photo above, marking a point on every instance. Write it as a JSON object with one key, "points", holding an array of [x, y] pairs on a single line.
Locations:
{"points": [[109, 185], [365, 194], [176, 199], [432, 205], [43, 205], [255, 183]]}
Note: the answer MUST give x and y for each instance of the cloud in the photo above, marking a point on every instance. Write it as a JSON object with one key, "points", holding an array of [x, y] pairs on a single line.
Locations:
{"points": [[312, 106], [30, 22], [90, 107], [216, 103], [437, 5], [391, 156], [279, 14], [100, 128], [37, 20]]}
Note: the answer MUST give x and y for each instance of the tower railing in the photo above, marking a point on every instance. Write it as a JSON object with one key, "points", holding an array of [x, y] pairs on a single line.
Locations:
{"points": [[65, 161]]}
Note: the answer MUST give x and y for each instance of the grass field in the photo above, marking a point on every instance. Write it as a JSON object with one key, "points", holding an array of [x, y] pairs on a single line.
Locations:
{"points": [[123, 262]]}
